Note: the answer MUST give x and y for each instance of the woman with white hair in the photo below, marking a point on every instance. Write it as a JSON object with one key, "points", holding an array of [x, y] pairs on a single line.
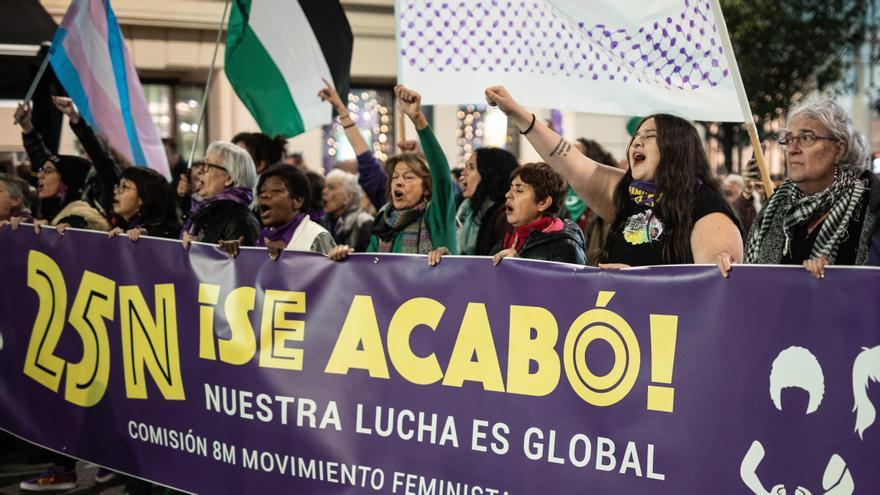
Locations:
{"points": [[820, 215], [348, 223], [228, 177]]}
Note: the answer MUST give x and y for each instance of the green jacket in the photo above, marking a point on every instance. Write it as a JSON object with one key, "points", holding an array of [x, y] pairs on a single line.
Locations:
{"points": [[440, 213]]}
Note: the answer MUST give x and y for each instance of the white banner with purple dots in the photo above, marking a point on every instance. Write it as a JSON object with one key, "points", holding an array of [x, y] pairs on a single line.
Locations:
{"points": [[596, 56]]}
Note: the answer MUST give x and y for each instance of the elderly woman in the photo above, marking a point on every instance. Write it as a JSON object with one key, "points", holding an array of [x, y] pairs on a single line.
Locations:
{"points": [[14, 199], [226, 182], [348, 223], [420, 213], [820, 215]]}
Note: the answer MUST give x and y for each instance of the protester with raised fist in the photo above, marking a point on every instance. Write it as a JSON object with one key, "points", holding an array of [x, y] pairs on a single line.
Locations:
{"points": [[666, 209], [371, 175], [420, 213]]}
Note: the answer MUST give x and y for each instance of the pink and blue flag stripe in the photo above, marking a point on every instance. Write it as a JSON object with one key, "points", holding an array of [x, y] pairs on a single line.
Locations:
{"points": [[92, 63]]}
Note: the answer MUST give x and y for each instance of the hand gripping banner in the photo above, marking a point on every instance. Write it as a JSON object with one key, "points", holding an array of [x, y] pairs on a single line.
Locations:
{"points": [[382, 375]]}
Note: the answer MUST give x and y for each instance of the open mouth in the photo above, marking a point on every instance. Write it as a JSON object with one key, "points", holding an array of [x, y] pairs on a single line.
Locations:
{"points": [[508, 208], [264, 210], [398, 194], [638, 157]]}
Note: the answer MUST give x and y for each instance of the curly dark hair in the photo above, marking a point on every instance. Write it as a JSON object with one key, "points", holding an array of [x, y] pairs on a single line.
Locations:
{"points": [[495, 166], [298, 185], [683, 166], [545, 182], [158, 200]]}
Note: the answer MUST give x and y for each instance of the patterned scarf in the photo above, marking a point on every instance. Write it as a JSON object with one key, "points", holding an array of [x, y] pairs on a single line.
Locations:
{"points": [[409, 223], [644, 193], [790, 207], [240, 195], [283, 232], [517, 238]]}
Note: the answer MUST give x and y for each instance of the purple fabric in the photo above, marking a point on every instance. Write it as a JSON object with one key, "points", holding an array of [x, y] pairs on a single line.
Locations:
{"points": [[282, 233], [24, 213], [317, 215], [241, 195], [521, 359], [874, 253], [372, 178]]}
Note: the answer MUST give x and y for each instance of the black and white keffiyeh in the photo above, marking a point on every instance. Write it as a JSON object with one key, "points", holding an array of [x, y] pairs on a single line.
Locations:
{"points": [[789, 207]]}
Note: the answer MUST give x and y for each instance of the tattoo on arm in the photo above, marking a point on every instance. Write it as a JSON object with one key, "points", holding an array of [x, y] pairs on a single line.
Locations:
{"points": [[565, 149], [562, 148]]}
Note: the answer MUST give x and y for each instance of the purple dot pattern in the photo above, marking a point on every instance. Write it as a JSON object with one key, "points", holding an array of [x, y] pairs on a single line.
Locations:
{"points": [[530, 37]]}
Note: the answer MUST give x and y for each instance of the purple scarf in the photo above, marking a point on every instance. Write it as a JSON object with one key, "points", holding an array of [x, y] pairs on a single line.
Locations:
{"points": [[282, 233], [241, 195], [24, 213]]}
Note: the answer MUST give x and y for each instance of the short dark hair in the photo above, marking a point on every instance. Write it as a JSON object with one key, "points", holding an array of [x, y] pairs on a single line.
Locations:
{"points": [[545, 182], [297, 183]]}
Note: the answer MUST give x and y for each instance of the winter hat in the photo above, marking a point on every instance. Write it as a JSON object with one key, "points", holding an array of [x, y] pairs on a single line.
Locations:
{"points": [[73, 170]]}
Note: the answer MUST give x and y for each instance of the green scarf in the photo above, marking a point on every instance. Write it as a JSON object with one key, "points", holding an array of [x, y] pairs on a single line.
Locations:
{"points": [[409, 223]]}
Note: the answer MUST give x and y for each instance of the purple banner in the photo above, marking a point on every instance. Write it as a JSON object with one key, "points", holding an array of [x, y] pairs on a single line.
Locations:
{"points": [[380, 374]]}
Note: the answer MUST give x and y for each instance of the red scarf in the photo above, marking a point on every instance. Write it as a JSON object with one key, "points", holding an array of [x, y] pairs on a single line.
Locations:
{"points": [[518, 237]]}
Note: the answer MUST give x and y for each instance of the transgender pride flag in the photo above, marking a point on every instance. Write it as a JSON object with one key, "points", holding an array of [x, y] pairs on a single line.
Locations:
{"points": [[92, 63]]}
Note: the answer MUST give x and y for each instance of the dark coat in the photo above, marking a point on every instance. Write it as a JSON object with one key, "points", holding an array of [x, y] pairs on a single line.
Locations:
{"points": [[154, 225], [566, 246], [493, 226], [226, 221]]}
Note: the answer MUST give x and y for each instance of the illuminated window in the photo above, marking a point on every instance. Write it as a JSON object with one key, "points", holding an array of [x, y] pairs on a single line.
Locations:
{"points": [[175, 110]]}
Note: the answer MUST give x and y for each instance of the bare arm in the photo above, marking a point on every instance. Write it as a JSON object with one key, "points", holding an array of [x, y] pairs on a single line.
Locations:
{"points": [[354, 136], [592, 181], [713, 235]]}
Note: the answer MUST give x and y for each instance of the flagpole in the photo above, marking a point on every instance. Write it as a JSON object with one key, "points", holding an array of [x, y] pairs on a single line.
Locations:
{"points": [[192, 150], [743, 99], [36, 81]]}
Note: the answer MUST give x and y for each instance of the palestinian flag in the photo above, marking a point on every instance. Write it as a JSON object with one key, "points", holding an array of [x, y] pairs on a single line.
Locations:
{"points": [[277, 51]]}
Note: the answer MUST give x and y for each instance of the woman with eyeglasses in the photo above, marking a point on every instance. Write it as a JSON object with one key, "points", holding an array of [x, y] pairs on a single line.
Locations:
{"points": [[144, 204], [820, 215], [226, 181], [665, 209]]}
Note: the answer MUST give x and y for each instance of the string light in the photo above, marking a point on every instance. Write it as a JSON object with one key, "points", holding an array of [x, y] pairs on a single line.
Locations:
{"points": [[479, 127], [370, 111]]}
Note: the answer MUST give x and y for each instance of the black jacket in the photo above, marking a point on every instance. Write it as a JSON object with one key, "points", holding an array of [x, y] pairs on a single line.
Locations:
{"points": [[566, 246], [226, 221], [155, 225]]}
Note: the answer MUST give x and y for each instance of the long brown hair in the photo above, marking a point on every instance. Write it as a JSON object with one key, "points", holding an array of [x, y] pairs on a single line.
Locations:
{"points": [[682, 168]]}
